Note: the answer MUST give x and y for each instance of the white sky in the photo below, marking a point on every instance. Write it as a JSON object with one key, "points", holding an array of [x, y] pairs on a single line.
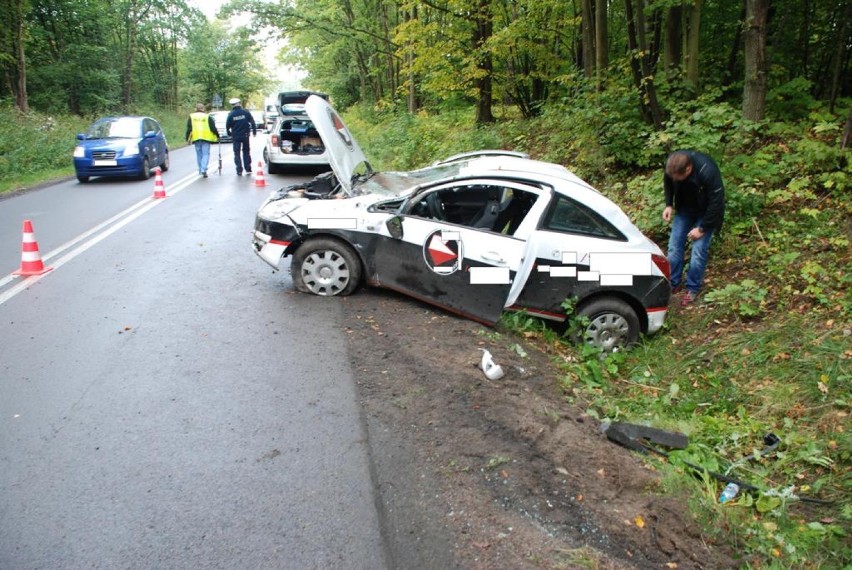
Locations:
{"points": [[287, 77]]}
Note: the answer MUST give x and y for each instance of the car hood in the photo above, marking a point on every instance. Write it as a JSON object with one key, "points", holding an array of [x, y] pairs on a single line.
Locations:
{"points": [[109, 143], [344, 154]]}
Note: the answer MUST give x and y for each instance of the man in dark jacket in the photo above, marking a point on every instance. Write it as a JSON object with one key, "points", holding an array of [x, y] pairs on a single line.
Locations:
{"points": [[696, 195], [238, 125]]}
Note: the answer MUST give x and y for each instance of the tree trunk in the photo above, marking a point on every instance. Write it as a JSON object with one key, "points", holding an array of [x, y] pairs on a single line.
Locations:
{"points": [[413, 101], [847, 132], [692, 43], [484, 30], [633, 48], [754, 92], [601, 43], [731, 69], [21, 98], [13, 68], [672, 52], [588, 38], [648, 89], [839, 59]]}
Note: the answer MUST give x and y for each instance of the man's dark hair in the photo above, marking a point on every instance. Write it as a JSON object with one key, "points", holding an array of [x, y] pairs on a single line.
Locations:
{"points": [[677, 163]]}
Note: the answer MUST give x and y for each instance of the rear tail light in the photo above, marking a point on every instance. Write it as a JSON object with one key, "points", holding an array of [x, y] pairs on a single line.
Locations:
{"points": [[275, 140], [663, 264]]}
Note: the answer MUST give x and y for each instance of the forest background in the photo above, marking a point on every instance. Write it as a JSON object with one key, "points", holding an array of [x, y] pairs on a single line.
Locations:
{"points": [[607, 88]]}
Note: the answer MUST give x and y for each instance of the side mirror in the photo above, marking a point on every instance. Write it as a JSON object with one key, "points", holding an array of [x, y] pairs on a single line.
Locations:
{"points": [[81, 137], [394, 226], [150, 134]]}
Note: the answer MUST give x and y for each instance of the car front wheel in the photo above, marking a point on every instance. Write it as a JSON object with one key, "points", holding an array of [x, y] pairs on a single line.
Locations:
{"points": [[83, 179], [325, 267], [145, 174], [611, 323]]}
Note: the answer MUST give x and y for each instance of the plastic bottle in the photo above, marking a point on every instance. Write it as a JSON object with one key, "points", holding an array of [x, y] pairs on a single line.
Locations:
{"points": [[729, 492]]}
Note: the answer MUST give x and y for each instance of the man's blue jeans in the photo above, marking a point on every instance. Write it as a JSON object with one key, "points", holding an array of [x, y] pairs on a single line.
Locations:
{"points": [[681, 226], [202, 155]]}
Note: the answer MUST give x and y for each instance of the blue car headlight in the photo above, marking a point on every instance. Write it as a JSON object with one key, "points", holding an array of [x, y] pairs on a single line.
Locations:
{"points": [[79, 152], [131, 149]]}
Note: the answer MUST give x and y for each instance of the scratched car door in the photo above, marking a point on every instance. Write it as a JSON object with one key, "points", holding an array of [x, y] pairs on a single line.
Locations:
{"points": [[445, 262]]}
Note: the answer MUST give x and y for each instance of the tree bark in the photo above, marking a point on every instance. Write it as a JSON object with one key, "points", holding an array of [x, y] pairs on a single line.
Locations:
{"points": [[484, 83], [21, 98], [847, 132], [692, 43], [648, 89], [839, 59], [601, 43], [13, 62], [588, 38], [672, 44], [754, 92]]}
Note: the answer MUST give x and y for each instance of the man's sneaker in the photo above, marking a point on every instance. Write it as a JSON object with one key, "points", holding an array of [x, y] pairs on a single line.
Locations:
{"points": [[204, 174], [677, 289], [688, 298], [239, 172]]}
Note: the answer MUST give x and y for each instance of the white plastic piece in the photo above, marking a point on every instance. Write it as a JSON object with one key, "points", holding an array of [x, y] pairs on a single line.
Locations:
{"points": [[492, 370]]}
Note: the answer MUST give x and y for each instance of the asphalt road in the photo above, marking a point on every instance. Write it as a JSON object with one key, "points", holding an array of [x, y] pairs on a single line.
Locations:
{"points": [[166, 401]]}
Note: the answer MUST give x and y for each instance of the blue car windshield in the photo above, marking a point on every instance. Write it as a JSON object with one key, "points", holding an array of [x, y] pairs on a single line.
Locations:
{"points": [[121, 128]]}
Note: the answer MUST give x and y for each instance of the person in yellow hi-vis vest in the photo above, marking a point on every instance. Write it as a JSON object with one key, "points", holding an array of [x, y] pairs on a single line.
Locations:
{"points": [[201, 131]]}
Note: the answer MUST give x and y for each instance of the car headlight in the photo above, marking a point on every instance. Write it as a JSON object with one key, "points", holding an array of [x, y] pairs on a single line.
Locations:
{"points": [[79, 152], [131, 150]]}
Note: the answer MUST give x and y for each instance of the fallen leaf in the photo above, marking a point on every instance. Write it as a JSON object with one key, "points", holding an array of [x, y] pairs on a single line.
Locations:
{"points": [[639, 521], [671, 564]]}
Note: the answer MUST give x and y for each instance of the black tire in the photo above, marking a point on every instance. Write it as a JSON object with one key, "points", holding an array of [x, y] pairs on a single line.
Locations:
{"points": [[612, 324], [145, 174], [271, 167], [325, 267], [82, 179], [165, 165]]}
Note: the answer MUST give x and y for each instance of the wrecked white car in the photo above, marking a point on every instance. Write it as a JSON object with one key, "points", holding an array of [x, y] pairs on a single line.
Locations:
{"points": [[476, 235]]}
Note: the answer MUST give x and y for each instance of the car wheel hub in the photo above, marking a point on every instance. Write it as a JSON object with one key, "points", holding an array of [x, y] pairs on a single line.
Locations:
{"points": [[325, 273], [607, 330]]}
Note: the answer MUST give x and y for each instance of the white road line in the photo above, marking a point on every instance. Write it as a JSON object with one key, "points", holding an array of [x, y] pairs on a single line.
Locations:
{"points": [[100, 232]]}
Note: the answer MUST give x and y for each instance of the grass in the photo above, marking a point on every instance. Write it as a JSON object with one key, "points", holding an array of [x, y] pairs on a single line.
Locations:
{"points": [[36, 148]]}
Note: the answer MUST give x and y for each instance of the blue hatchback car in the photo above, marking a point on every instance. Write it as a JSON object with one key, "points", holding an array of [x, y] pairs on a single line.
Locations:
{"points": [[121, 146]]}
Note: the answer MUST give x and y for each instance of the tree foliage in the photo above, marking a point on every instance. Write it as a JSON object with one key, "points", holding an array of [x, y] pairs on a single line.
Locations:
{"points": [[95, 56], [436, 53]]}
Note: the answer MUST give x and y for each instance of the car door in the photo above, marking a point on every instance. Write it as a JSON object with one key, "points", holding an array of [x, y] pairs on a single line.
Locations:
{"points": [[456, 247]]}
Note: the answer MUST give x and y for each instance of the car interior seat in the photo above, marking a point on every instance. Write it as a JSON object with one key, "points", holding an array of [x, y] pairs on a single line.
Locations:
{"points": [[488, 214]]}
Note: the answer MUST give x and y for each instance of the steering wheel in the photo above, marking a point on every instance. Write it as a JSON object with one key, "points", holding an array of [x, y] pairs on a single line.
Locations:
{"points": [[436, 207]]}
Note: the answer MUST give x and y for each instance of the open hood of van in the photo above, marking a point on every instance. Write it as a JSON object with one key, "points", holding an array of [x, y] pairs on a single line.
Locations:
{"points": [[344, 155]]}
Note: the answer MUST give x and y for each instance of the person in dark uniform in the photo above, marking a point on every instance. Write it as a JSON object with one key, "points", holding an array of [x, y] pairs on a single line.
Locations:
{"points": [[238, 125], [695, 194]]}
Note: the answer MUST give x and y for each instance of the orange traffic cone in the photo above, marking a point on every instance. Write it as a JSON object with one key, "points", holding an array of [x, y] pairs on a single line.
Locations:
{"points": [[30, 259], [159, 189], [259, 180]]}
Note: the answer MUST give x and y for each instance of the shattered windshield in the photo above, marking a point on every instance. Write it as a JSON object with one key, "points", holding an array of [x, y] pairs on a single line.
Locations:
{"points": [[400, 183], [121, 128]]}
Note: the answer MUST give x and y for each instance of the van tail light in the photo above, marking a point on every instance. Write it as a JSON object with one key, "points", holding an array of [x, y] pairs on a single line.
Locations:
{"points": [[663, 264], [274, 140]]}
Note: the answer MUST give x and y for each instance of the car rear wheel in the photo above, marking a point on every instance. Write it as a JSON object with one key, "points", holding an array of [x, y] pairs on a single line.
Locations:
{"points": [[325, 267], [271, 167], [165, 165], [612, 323], [145, 173]]}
